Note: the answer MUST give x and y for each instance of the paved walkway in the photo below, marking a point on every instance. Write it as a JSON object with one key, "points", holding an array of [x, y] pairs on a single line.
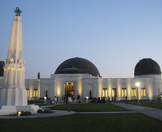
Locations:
{"points": [[57, 113], [152, 112]]}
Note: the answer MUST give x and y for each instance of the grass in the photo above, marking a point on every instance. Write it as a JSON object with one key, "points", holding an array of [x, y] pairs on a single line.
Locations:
{"points": [[152, 104], [84, 123], [90, 107]]}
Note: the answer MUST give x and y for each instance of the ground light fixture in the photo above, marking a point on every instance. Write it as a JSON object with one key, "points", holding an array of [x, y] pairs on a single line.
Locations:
{"points": [[19, 113], [87, 99], [45, 100]]}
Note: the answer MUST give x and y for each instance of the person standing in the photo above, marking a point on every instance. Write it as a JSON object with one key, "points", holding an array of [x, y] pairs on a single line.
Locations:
{"points": [[69, 101], [55, 100], [78, 98], [51, 100], [126, 100]]}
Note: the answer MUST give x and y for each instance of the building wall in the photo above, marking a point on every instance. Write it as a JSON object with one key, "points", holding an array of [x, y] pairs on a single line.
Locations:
{"points": [[47, 86], [90, 84], [99, 87], [31, 86]]}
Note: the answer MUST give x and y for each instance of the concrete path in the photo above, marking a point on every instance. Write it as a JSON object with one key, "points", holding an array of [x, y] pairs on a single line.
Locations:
{"points": [[152, 112], [57, 113]]}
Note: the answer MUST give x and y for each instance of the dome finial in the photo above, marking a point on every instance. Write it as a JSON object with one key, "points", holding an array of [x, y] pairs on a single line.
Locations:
{"points": [[17, 11]]}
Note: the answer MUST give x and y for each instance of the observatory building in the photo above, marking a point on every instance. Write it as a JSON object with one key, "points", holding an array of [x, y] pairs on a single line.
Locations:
{"points": [[78, 76]]}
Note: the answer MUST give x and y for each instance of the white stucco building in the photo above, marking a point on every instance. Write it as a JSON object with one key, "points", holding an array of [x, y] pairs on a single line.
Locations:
{"points": [[79, 76]]}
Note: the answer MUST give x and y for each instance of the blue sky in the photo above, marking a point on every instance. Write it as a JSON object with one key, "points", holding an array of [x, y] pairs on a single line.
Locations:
{"points": [[112, 34]]}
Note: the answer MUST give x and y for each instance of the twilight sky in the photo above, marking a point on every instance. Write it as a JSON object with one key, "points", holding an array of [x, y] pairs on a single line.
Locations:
{"points": [[113, 34]]}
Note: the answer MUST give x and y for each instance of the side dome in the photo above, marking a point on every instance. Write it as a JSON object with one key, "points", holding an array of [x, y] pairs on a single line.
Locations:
{"points": [[147, 66], [77, 66], [1, 68]]}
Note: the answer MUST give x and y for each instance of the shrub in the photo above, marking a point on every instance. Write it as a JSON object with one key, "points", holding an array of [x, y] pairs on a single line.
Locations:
{"points": [[25, 113]]}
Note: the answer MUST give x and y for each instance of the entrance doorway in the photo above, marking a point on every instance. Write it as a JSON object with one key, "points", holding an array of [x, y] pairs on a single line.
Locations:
{"points": [[69, 88]]}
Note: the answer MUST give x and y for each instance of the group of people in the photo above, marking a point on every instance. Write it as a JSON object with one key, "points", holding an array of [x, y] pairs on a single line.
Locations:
{"points": [[54, 100]]}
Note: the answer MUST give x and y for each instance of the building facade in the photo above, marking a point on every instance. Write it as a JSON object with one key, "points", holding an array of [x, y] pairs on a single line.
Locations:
{"points": [[78, 76]]}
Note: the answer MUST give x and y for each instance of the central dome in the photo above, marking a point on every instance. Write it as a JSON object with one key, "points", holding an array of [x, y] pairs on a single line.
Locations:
{"points": [[77, 66]]}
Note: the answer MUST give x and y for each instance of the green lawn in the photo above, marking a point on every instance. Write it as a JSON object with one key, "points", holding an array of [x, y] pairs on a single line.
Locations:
{"points": [[84, 123], [153, 104], [90, 107]]}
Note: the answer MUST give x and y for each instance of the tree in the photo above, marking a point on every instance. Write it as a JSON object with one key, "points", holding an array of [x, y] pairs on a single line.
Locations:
{"points": [[90, 94], [46, 93]]}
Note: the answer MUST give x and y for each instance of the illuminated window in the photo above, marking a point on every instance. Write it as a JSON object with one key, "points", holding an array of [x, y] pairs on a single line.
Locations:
{"points": [[143, 92], [133, 91], [124, 92], [35, 93], [27, 92], [114, 92], [158, 91], [104, 92]]}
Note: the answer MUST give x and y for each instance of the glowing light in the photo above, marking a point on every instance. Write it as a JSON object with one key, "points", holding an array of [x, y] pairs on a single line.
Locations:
{"points": [[100, 88], [58, 91], [137, 84], [80, 87], [149, 91], [138, 97], [19, 113], [119, 92], [30, 91], [45, 100]]}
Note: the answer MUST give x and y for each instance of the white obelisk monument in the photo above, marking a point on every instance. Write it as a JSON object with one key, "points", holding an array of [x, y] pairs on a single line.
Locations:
{"points": [[13, 95]]}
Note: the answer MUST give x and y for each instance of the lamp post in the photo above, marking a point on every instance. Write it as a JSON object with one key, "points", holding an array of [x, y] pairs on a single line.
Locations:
{"points": [[137, 85]]}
